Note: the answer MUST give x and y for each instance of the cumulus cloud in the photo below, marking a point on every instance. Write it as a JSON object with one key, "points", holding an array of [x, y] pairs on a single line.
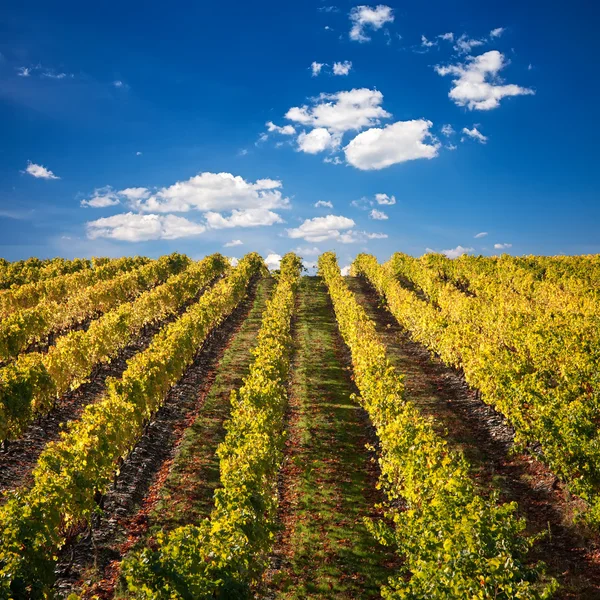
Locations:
{"points": [[502, 246], [480, 235], [307, 251], [214, 191], [39, 172], [316, 68], [345, 270], [385, 200], [319, 229], [368, 17], [273, 261], [447, 130], [342, 68], [285, 130], [495, 33], [341, 111], [101, 198], [323, 204], [447, 37], [475, 134], [425, 43], [233, 261], [378, 215], [464, 44], [456, 252], [233, 243], [131, 227], [250, 217], [317, 140], [378, 148], [135, 193], [476, 83]]}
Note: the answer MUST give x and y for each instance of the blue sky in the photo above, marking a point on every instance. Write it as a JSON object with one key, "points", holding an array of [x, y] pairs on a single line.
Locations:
{"points": [[143, 128]]}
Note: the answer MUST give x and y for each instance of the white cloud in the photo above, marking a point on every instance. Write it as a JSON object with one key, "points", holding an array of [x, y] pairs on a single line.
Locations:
{"points": [[456, 252], [138, 153], [307, 251], [475, 134], [342, 68], [342, 111], [273, 261], [323, 203], [502, 246], [448, 37], [427, 43], [262, 138], [51, 74], [319, 229], [101, 198], [328, 9], [285, 130], [233, 261], [451, 147], [118, 83], [132, 227], [334, 160], [378, 215], [375, 236], [396, 143], [250, 217], [39, 172], [480, 235], [317, 140], [215, 191], [476, 83], [495, 33], [316, 68], [345, 270], [385, 200], [447, 130], [464, 44], [135, 193], [24, 72], [363, 17], [233, 243]]}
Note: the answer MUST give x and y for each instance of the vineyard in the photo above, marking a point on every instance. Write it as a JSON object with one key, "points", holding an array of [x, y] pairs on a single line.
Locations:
{"points": [[422, 428]]}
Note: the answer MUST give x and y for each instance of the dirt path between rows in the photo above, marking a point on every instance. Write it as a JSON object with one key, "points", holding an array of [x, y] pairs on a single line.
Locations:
{"points": [[572, 554]]}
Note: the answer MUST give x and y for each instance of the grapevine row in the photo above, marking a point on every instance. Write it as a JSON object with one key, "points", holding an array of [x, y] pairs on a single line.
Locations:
{"points": [[455, 542], [58, 288], [34, 269], [223, 556], [538, 368], [30, 385], [32, 324], [73, 471]]}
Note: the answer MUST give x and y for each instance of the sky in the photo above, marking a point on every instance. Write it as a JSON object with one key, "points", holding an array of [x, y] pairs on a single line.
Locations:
{"points": [[144, 128]]}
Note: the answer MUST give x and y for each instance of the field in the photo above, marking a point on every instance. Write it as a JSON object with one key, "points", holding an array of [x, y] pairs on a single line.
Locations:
{"points": [[419, 428]]}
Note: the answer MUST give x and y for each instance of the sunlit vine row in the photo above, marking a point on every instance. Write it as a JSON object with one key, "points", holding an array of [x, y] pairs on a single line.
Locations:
{"points": [[224, 555], [72, 472], [30, 386], [454, 542]]}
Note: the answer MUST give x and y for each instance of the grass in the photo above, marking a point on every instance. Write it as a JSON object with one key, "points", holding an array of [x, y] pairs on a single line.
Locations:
{"points": [[187, 495], [329, 477]]}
